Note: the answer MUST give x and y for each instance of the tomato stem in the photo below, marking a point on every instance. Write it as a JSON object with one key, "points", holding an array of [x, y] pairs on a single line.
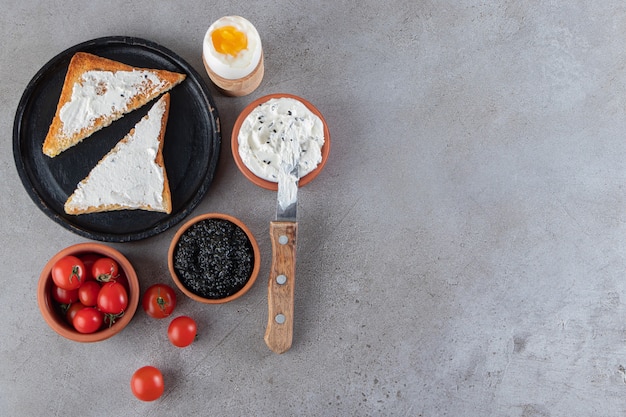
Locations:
{"points": [[111, 318], [162, 303], [107, 277], [75, 273]]}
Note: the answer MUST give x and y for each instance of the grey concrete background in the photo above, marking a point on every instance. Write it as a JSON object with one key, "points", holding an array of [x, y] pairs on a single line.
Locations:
{"points": [[462, 253]]}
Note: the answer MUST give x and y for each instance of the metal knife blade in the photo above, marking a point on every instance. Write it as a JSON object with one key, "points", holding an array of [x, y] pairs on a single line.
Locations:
{"points": [[287, 199]]}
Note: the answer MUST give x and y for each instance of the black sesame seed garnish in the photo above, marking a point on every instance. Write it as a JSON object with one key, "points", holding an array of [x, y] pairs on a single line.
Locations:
{"points": [[214, 258]]}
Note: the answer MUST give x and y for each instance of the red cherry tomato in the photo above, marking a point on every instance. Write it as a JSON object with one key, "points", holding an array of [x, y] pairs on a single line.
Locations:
{"points": [[88, 293], [88, 320], [68, 272], [147, 383], [182, 331], [88, 260], [112, 298], [121, 278], [64, 296], [159, 301], [105, 269], [72, 310]]}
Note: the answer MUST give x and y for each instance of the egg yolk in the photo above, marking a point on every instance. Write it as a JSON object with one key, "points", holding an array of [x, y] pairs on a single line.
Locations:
{"points": [[229, 40]]}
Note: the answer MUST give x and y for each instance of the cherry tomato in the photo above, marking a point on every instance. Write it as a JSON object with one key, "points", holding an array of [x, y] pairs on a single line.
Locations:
{"points": [[88, 320], [72, 310], [112, 298], [159, 301], [64, 296], [88, 260], [147, 383], [121, 278], [68, 272], [105, 269], [88, 293], [182, 331]]}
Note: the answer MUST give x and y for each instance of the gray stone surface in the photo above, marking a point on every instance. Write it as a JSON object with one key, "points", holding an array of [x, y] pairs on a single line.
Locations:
{"points": [[462, 253]]}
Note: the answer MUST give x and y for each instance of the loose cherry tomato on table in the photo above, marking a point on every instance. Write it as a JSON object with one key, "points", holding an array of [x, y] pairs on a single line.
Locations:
{"points": [[147, 383], [64, 296], [88, 320], [68, 272], [112, 298], [182, 331], [105, 269], [159, 301], [88, 293]]}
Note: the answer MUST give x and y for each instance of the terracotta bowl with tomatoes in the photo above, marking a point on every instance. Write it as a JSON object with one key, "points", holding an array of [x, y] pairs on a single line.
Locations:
{"points": [[88, 292]]}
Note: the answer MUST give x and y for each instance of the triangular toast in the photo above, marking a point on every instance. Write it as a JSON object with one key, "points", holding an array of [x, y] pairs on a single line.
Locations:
{"points": [[96, 92], [132, 175]]}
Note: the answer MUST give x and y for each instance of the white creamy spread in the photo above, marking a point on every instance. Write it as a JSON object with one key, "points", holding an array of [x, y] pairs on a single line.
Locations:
{"points": [[276, 135], [101, 93], [128, 175], [287, 178], [228, 66]]}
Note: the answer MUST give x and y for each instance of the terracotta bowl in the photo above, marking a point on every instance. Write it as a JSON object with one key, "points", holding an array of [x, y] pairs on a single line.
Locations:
{"points": [[174, 246], [49, 307], [270, 185]]}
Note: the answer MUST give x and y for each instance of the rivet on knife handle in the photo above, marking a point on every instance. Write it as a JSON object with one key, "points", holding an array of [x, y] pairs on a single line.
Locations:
{"points": [[281, 285]]}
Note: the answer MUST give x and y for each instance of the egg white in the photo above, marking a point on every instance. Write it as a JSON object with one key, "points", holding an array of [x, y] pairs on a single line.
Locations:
{"points": [[226, 65]]}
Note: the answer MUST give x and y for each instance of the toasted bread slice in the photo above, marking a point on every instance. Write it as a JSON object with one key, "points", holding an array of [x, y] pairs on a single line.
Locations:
{"points": [[132, 175], [96, 92]]}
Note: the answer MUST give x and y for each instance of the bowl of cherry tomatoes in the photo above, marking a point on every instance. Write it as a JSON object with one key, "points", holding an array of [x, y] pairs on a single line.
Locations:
{"points": [[88, 292]]}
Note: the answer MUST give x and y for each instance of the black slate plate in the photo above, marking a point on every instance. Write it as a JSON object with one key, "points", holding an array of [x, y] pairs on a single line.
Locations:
{"points": [[191, 147]]}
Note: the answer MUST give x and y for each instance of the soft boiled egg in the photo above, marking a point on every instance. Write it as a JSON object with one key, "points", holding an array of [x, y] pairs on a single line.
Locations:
{"points": [[232, 47]]}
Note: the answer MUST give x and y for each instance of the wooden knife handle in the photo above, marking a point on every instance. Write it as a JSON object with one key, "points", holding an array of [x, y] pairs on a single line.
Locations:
{"points": [[280, 289]]}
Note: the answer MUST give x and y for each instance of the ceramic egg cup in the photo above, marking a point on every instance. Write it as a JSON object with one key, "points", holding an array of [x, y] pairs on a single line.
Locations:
{"points": [[238, 87]]}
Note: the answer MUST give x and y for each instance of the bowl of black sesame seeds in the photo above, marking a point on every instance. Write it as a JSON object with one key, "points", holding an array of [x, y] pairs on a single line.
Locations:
{"points": [[214, 258]]}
